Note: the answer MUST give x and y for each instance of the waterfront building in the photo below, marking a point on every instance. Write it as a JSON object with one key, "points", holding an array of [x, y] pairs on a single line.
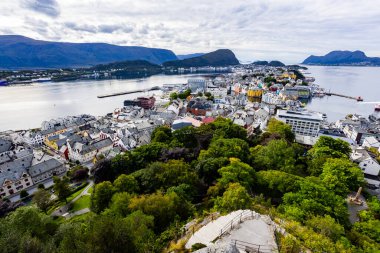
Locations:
{"points": [[196, 85], [297, 92], [143, 102], [305, 123]]}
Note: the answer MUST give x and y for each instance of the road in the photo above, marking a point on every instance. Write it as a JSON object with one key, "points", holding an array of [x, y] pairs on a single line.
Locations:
{"points": [[47, 183]]}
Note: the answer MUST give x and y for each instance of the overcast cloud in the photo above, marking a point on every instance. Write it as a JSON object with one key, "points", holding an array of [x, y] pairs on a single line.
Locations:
{"points": [[253, 29]]}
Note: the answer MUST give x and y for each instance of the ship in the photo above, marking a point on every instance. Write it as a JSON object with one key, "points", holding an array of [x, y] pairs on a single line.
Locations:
{"points": [[377, 108]]}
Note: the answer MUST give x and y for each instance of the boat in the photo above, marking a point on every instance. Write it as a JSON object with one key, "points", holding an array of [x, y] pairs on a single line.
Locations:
{"points": [[377, 108], [42, 80], [3, 83], [359, 99]]}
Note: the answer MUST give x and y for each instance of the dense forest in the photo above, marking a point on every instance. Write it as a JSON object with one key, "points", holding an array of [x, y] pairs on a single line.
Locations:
{"points": [[143, 198]]}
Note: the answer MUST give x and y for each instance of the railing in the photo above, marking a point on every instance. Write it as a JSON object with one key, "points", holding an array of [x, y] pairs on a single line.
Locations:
{"points": [[251, 247], [245, 215]]}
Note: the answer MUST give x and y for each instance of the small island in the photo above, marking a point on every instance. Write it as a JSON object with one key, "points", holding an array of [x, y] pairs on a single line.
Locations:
{"points": [[343, 58]]}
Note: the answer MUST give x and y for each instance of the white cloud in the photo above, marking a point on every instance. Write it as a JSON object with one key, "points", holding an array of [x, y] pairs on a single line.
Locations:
{"points": [[253, 29]]}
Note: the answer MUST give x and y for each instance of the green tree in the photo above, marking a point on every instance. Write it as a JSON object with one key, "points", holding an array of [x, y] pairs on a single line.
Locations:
{"points": [[126, 183], [142, 234], [162, 175], [143, 155], [173, 96], [72, 238], [119, 204], [207, 169], [317, 156], [27, 229], [225, 128], [284, 130], [164, 208], [162, 134], [61, 187], [226, 148], [326, 226], [274, 183], [42, 199], [23, 194], [314, 200], [102, 195], [277, 155], [109, 234], [334, 144], [186, 136], [341, 176], [237, 172], [234, 198]]}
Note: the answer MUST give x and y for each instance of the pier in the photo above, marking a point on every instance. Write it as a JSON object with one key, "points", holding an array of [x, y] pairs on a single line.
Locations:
{"points": [[128, 92], [344, 96]]}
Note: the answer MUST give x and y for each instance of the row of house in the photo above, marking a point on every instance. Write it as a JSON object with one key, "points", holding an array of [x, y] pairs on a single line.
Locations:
{"points": [[21, 167]]}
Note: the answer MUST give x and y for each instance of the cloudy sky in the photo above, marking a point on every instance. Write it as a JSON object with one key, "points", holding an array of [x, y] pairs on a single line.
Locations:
{"points": [[254, 29]]}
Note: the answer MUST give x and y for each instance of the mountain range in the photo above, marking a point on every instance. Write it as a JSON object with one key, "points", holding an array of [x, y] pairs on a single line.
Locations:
{"points": [[187, 56], [221, 57], [19, 52], [343, 58]]}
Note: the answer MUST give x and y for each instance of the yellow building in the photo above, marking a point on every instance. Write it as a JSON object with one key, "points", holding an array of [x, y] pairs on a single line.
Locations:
{"points": [[51, 142], [255, 93]]}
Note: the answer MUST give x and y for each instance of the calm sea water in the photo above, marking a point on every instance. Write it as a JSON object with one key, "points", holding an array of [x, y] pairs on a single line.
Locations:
{"points": [[352, 81], [23, 107]]}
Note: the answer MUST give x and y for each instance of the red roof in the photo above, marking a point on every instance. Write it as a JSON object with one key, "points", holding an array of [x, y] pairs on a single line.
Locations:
{"points": [[208, 120]]}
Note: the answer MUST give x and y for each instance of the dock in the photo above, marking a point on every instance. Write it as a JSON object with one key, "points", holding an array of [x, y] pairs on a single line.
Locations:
{"points": [[128, 92], [344, 96]]}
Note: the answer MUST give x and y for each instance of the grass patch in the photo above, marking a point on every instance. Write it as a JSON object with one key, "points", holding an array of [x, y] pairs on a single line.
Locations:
{"points": [[83, 217], [83, 202], [75, 194], [91, 190]]}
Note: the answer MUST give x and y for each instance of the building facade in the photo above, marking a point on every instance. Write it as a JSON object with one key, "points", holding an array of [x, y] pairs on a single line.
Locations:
{"points": [[304, 123]]}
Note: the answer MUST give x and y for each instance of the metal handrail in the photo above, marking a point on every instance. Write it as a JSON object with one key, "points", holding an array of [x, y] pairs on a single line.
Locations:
{"points": [[251, 246], [229, 225]]}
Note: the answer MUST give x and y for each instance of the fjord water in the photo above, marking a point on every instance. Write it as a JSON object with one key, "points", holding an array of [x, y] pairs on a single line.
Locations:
{"points": [[24, 107], [351, 81]]}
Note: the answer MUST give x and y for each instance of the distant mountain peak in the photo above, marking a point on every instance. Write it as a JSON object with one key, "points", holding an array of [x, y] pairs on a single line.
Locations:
{"points": [[220, 57], [271, 63], [343, 57]]}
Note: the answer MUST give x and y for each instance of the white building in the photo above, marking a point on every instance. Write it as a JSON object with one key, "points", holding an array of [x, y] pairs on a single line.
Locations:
{"points": [[371, 142], [368, 165], [196, 85], [303, 123], [86, 152]]}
